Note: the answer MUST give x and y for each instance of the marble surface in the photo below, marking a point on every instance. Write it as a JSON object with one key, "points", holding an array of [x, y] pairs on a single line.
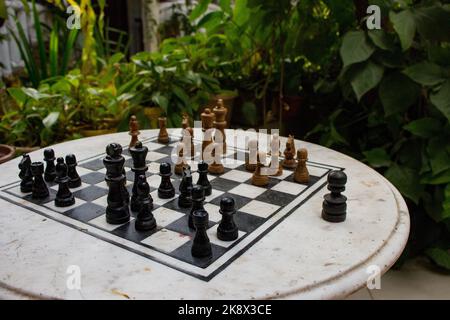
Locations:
{"points": [[304, 257]]}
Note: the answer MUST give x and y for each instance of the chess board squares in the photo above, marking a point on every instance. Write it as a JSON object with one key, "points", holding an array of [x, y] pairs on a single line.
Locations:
{"points": [[128, 231], [155, 180], [85, 212], [212, 235], [153, 168], [83, 186], [195, 175], [222, 184], [90, 193], [183, 253], [93, 165], [101, 223], [130, 175], [157, 200], [213, 212], [247, 222], [166, 240], [276, 198], [289, 187], [214, 194], [93, 178], [50, 198], [181, 226], [239, 201], [317, 171], [236, 175], [231, 163], [152, 145], [259, 208], [165, 216], [247, 190], [51, 205], [155, 156]]}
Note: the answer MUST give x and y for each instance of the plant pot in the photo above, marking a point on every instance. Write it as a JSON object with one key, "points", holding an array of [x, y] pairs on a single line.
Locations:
{"points": [[153, 113], [6, 152]]}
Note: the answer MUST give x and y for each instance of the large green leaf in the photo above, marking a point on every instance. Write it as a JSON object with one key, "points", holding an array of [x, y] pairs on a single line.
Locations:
{"points": [[19, 95], [397, 93], [199, 9], [446, 203], [441, 99], [241, 12], [441, 178], [440, 256], [51, 119], [438, 156], [425, 127], [433, 23], [211, 21], [406, 180], [405, 27], [160, 101], [365, 77], [377, 157], [355, 48], [425, 73], [381, 39]]}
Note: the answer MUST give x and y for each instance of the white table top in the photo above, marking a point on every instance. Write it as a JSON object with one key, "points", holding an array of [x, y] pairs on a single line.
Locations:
{"points": [[302, 257]]}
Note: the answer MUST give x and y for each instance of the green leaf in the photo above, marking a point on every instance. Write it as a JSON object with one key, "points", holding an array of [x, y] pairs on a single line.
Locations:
{"points": [[211, 20], [181, 95], [442, 178], [377, 157], [438, 156], [199, 9], [439, 256], [355, 48], [225, 5], [160, 101], [406, 180], [241, 12], [365, 77], [425, 127], [433, 23], [425, 73], [441, 99], [40, 40], [3, 12], [381, 39], [446, 203], [51, 119], [397, 93], [19, 96], [405, 26], [53, 51]]}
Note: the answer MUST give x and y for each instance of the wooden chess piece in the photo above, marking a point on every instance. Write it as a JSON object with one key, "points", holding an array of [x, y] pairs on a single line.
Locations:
{"points": [[289, 154], [188, 141], [252, 158], [207, 128], [181, 163], [275, 166], [163, 136], [185, 122], [220, 124], [334, 206], [134, 130], [301, 174], [259, 179], [216, 167]]}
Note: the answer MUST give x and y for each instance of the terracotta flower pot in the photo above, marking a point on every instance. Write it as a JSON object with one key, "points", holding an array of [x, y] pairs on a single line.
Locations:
{"points": [[6, 152]]}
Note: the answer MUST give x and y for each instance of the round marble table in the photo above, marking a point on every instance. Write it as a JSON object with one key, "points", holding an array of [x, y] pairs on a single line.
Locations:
{"points": [[301, 257]]}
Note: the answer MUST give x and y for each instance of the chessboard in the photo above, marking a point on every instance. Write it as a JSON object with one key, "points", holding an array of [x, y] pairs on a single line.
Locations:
{"points": [[259, 209]]}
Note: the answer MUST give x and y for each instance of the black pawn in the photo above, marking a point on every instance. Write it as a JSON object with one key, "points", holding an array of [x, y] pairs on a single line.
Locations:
{"points": [[201, 246], [74, 178], [145, 220], [39, 188], [26, 185], [198, 196], [138, 153], [227, 229], [64, 196], [166, 189], [50, 171], [117, 211], [334, 207], [203, 178], [185, 199]]}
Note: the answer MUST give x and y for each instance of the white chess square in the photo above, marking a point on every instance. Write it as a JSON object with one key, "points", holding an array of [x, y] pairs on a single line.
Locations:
{"points": [[289, 187], [166, 240], [16, 191], [259, 208], [316, 171], [284, 175], [195, 177], [247, 190], [154, 156], [51, 205], [102, 201], [152, 146], [101, 223], [214, 194], [155, 180], [213, 212], [236, 175], [102, 184], [157, 200], [212, 235], [103, 170], [165, 216], [232, 163], [153, 167], [83, 171], [83, 185]]}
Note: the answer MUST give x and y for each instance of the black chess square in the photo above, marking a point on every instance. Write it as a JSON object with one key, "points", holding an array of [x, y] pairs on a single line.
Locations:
{"points": [[90, 193], [272, 183], [94, 165], [93, 178], [247, 222], [276, 197], [184, 253], [239, 200], [166, 150], [51, 197], [173, 205], [128, 231], [86, 212], [181, 226], [223, 184]]}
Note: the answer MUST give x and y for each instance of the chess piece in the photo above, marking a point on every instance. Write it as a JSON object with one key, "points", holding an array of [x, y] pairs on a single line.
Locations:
{"points": [[181, 163], [74, 178], [134, 130], [185, 199], [334, 206], [216, 167], [275, 168], [289, 154], [145, 221], [39, 189], [64, 197], [26, 185], [138, 154], [301, 174], [203, 178], [258, 178], [252, 156], [198, 196], [227, 229], [185, 122], [201, 246], [163, 136], [49, 158], [207, 128], [166, 189], [117, 211], [188, 141], [220, 124]]}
